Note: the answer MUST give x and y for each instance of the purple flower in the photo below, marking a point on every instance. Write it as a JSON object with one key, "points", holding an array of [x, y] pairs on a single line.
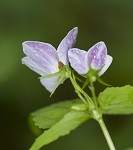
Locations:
{"points": [[96, 58], [45, 60]]}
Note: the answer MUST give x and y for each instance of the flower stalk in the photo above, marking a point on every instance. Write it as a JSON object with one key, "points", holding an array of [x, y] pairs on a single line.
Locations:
{"points": [[81, 93], [92, 88]]}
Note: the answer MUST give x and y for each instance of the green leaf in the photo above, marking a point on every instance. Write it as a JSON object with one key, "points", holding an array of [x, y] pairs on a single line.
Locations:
{"points": [[68, 123], [116, 100], [45, 117], [35, 130]]}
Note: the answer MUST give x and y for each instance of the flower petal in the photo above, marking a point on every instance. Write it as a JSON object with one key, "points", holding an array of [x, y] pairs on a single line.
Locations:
{"points": [[108, 62], [67, 43], [49, 83], [34, 66], [43, 54], [77, 60], [97, 55]]}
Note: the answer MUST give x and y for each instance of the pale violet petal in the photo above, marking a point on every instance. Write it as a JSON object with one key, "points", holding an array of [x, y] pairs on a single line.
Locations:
{"points": [[35, 67], [108, 62], [77, 60], [49, 83], [67, 43], [43, 54], [97, 55]]}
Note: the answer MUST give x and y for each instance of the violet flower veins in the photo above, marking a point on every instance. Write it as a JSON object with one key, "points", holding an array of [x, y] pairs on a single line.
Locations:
{"points": [[45, 60]]}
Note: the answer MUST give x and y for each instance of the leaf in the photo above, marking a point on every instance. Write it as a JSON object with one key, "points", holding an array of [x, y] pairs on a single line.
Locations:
{"points": [[117, 100], [68, 123], [45, 117], [35, 130]]}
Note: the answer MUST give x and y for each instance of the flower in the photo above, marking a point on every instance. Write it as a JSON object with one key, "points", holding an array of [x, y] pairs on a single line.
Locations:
{"points": [[96, 58], [46, 61]]}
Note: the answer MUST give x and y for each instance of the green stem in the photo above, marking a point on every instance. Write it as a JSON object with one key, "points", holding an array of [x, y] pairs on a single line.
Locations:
{"points": [[106, 134], [93, 93], [77, 90], [84, 96]]}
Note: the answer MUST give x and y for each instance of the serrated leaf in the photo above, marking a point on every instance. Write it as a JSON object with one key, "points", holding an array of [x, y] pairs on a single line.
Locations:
{"points": [[45, 117], [68, 123], [117, 100], [35, 130]]}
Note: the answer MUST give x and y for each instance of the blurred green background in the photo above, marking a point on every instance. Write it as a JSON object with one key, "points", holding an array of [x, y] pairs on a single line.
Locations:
{"points": [[110, 21]]}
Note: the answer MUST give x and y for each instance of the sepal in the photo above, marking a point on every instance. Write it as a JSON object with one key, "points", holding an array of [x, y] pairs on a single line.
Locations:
{"points": [[63, 74]]}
